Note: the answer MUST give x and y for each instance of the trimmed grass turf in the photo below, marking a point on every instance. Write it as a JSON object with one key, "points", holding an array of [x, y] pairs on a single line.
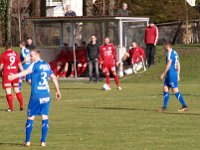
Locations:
{"points": [[88, 118]]}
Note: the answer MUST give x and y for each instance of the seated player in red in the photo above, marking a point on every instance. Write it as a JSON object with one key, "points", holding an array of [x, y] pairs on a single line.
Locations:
{"points": [[58, 64], [69, 63], [133, 57], [82, 59]]}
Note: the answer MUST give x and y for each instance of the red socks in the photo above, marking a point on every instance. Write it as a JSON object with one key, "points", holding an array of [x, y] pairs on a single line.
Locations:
{"points": [[10, 101], [20, 99], [108, 79], [81, 70], [116, 80]]}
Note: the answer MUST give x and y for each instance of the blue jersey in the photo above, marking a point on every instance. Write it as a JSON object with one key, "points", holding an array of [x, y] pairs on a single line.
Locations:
{"points": [[171, 79], [173, 56], [41, 72], [25, 53]]}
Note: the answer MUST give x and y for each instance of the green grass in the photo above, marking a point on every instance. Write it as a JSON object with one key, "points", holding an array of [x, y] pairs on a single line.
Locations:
{"points": [[88, 118]]}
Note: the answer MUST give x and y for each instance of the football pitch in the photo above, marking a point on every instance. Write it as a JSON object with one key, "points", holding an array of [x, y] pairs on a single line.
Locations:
{"points": [[88, 118]]}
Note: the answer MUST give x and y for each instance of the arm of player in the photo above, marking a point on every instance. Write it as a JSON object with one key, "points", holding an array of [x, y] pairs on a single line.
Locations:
{"points": [[55, 81], [178, 70], [23, 73], [20, 67], [169, 62], [1, 67]]}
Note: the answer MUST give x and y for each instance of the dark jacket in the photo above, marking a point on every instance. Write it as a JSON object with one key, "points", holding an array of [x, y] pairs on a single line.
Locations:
{"points": [[122, 12], [93, 51], [30, 47], [70, 14]]}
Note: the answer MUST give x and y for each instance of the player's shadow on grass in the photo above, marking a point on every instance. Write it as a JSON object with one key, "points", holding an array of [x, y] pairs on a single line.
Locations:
{"points": [[12, 144], [144, 109], [17, 144], [120, 108], [81, 88]]}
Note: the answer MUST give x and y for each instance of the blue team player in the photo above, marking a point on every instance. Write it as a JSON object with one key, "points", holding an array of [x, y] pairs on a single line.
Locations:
{"points": [[25, 60], [172, 72], [40, 95]]}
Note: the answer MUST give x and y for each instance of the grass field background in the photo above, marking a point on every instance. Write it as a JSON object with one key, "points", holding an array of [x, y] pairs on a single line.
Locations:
{"points": [[88, 118]]}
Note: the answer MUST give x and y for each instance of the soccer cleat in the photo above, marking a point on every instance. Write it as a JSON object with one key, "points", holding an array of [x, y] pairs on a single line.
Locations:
{"points": [[43, 144], [9, 110], [106, 87], [27, 144], [21, 109], [162, 109], [119, 88], [183, 109]]}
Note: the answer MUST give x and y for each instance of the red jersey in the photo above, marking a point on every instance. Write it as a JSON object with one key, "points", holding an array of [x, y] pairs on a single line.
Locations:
{"points": [[70, 56], [62, 55], [107, 54], [137, 55], [10, 60], [151, 35], [81, 55]]}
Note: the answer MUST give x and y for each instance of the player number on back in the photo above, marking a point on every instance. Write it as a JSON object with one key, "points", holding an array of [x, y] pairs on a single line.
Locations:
{"points": [[12, 60]]}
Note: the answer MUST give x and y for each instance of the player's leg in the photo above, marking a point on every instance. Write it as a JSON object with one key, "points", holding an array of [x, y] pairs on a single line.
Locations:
{"points": [[152, 55], [45, 127], [9, 98], [179, 96], [79, 66], [165, 96], [90, 67], [19, 97], [72, 70], [106, 72], [96, 65], [29, 128], [113, 70], [64, 73], [84, 67], [148, 54]]}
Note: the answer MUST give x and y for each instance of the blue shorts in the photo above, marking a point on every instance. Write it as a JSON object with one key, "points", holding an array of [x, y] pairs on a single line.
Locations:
{"points": [[26, 66], [38, 106], [171, 83]]}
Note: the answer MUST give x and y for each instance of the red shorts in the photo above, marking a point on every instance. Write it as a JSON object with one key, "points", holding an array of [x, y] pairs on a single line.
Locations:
{"points": [[8, 84], [108, 68]]}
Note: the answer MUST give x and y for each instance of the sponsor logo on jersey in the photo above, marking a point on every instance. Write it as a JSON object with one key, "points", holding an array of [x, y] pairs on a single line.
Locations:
{"points": [[44, 100], [42, 88], [44, 67]]}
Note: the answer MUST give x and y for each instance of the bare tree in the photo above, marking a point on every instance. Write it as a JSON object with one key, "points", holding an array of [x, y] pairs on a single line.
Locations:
{"points": [[19, 13]]}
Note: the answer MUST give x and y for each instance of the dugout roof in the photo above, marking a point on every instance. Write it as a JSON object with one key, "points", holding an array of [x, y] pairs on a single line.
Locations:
{"points": [[121, 21]]}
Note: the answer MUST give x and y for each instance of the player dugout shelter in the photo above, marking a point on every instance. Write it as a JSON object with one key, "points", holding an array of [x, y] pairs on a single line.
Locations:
{"points": [[50, 33]]}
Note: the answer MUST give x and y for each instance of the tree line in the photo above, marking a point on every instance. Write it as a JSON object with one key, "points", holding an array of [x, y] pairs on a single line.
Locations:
{"points": [[14, 12]]}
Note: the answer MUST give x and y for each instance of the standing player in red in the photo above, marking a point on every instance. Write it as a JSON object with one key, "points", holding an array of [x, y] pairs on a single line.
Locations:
{"points": [[10, 63], [108, 62]]}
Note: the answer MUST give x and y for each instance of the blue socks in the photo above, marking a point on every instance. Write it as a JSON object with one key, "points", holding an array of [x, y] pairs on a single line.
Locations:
{"points": [[45, 127], [166, 99], [29, 127], [181, 99]]}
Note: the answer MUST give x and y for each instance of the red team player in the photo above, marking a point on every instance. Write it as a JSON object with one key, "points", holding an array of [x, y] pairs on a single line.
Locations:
{"points": [[82, 59], [59, 63], [108, 62], [10, 63]]}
